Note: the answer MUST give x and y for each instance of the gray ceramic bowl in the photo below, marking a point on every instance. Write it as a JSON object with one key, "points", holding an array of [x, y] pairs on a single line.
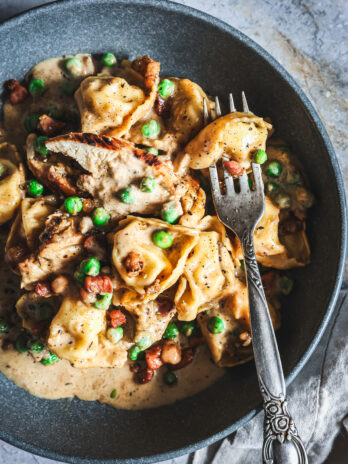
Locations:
{"points": [[192, 44]]}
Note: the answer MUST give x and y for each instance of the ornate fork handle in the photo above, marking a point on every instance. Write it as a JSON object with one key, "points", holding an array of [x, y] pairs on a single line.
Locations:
{"points": [[282, 444]]}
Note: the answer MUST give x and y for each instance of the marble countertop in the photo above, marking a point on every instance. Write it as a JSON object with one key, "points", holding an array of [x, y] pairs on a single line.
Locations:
{"points": [[308, 37]]}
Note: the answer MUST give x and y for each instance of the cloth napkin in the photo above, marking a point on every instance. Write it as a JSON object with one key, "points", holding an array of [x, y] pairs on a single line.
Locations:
{"points": [[317, 399]]}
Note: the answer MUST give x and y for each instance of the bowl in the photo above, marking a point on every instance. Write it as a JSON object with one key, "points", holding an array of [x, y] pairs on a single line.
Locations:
{"points": [[221, 59]]}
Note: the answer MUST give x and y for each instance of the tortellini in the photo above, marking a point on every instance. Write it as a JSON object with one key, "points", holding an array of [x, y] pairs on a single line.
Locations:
{"points": [[235, 136]]}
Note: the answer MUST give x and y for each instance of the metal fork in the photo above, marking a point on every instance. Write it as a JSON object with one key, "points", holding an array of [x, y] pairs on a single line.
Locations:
{"points": [[241, 212]]}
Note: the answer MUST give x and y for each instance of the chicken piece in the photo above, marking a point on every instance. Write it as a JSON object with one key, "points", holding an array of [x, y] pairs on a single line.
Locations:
{"points": [[110, 105], [115, 164], [234, 136], [61, 247]]}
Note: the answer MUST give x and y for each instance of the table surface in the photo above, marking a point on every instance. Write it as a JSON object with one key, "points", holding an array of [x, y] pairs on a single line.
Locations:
{"points": [[309, 38]]}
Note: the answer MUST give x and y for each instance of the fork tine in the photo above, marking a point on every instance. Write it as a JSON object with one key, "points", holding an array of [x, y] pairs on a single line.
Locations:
{"points": [[232, 107], [214, 180], [205, 112], [245, 103], [217, 107], [257, 177], [243, 182], [229, 184]]}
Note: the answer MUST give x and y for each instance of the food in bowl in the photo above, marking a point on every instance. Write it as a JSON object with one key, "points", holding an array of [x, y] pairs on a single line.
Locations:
{"points": [[119, 283]]}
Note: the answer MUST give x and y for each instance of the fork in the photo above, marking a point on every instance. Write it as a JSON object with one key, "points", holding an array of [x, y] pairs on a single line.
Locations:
{"points": [[241, 212]]}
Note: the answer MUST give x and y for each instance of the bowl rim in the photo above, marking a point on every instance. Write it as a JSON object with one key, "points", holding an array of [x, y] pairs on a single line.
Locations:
{"points": [[312, 113]]}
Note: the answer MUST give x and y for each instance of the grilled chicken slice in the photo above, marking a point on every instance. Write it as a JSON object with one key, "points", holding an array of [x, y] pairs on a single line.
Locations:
{"points": [[61, 247], [115, 164]]}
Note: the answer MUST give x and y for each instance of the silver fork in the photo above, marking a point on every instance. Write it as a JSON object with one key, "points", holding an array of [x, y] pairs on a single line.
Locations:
{"points": [[241, 212]]}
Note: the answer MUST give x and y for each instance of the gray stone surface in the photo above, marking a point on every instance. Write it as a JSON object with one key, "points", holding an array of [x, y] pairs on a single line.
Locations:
{"points": [[308, 37]]}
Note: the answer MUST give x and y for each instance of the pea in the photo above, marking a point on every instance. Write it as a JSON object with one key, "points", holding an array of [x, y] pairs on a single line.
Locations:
{"points": [[162, 239], [114, 335], [31, 122], [109, 59], [187, 328], [37, 87], [283, 200], [55, 113], [40, 146], [152, 150], [169, 213], [103, 302], [127, 195], [274, 169], [4, 326], [100, 217], [260, 156], [166, 88], [171, 331], [215, 325], [35, 188], [21, 343], [79, 277], [144, 343], [37, 346], [73, 205], [51, 358], [133, 353], [90, 266], [148, 184], [151, 129], [170, 378], [271, 187], [73, 66], [43, 311], [285, 284], [68, 88], [113, 394]]}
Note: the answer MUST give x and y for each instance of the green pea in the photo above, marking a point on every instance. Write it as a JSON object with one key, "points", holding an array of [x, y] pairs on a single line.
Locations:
{"points": [[113, 394], [109, 59], [152, 150], [21, 343], [103, 302], [79, 277], [166, 88], [127, 195], [51, 358], [271, 187], [133, 353], [73, 205], [114, 335], [37, 87], [171, 331], [151, 129], [73, 66], [37, 346], [187, 328], [283, 200], [169, 213], [260, 156], [43, 311], [144, 343], [285, 284], [162, 239], [90, 266], [148, 184], [68, 88], [170, 378], [100, 217], [4, 326], [216, 325], [40, 146], [56, 113], [31, 122], [274, 169], [35, 188]]}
